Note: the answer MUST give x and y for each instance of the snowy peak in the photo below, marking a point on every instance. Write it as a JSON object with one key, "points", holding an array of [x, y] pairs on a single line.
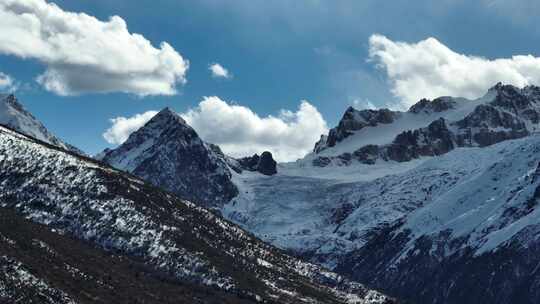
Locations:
{"points": [[167, 152], [505, 112], [163, 123], [433, 106], [14, 115], [164, 126], [169, 118], [354, 120]]}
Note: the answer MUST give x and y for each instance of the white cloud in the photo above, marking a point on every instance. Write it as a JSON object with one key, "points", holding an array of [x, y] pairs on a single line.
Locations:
{"points": [[122, 127], [218, 71], [429, 69], [7, 84], [83, 54], [239, 131]]}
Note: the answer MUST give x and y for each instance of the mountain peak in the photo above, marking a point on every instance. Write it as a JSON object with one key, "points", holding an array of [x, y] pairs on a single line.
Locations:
{"points": [[497, 86], [167, 111], [169, 115], [354, 120], [168, 152], [11, 100], [7, 97], [504, 88], [436, 105], [14, 115], [350, 109]]}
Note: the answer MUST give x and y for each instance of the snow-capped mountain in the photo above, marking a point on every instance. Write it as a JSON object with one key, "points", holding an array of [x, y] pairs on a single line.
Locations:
{"points": [[169, 153], [431, 128], [75, 209], [14, 115], [426, 204], [422, 204]]}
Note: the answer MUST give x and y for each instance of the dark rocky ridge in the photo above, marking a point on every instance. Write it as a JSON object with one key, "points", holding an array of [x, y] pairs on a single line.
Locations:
{"points": [[264, 164], [436, 105], [170, 154], [504, 118], [354, 120]]}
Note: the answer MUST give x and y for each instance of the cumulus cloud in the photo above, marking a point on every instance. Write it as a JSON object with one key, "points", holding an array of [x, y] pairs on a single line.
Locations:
{"points": [[239, 131], [122, 127], [218, 71], [83, 54], [429, 69], [7, 84]]}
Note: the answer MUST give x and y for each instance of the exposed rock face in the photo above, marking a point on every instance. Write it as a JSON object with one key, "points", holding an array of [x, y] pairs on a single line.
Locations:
{"points": [[169, 153], [267, 164], [513, 113], [264, 164], [433, 140], [321, 144], [436, 105], [250, 162], [354, 120], [14, 115], [429, 276], [436, 139], [488, 125]]}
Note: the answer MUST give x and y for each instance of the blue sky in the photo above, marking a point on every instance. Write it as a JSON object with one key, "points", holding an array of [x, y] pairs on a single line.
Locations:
{"points": [[279, 53]]}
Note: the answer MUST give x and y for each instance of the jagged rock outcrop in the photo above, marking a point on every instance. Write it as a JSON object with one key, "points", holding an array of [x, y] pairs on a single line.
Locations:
{"points": [[168, 153], [267, 164], [488, 125], [511, 113], [436, 105], [354, 120], [434, 140], [264, 164], [249, 162]]}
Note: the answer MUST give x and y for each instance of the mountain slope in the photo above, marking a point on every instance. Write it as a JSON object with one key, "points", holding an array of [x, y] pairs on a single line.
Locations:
{"points": [[87, 200], [169, 153], [472, 226], [421, 204], [454, 205], [13, 114], [82, 273]]}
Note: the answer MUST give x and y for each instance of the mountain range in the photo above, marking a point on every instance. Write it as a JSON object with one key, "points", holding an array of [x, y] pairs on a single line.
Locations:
{"points": [[75, 230], [437, 204]]}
